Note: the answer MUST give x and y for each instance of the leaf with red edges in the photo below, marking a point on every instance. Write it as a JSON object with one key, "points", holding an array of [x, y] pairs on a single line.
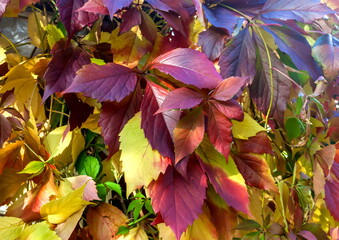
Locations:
{"points": [[228, 88], [110, 82], [188, 133], [212, 42], [230, 109], [225, 177], [114, 116], [158, 128], [179, 200], [114, 6], [255, 170], [66, 61], [220, 131], [180, 98], [257, 144], [72, 19], [188, 66]]}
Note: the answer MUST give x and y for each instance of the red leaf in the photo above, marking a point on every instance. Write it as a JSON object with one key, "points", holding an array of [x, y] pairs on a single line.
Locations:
{"points": [[188, 66], [5, 129], [169, 5], [130, 18], [228, 88], [181, 98], [94, 6], [179, 200], [66, 61], [225, 178], [114, 6], [212, 42], [158, 128], [188, 134], [230, 109], [257, 144], [332, 196], [114, 116], [79, 111], [220, 131], [255, 170], [148, 27], [72, 19], [110, 82]]}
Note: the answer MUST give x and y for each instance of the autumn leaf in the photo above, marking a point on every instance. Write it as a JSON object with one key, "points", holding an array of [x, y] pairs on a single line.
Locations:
{"points": [[11, 227], [137, 233], [246, 128], [38, 231]]}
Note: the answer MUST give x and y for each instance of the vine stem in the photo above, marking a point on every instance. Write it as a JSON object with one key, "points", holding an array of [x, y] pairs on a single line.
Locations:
{"points": [[268, 58], [11, 43]]}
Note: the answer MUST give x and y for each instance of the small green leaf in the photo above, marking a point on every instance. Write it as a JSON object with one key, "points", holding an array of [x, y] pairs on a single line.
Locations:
{"points": [[87, 165], [148, 206], [98, 61], [123, 230], [114, 187], [102, 192], [34, 167], [139, 195], [294, 128], [134, 204], [248, 225], [298, 105], [136, 211]]}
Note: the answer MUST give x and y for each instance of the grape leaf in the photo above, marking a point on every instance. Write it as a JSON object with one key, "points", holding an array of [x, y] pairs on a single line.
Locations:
{"points": [[224, 177], [115, 115], [140, 163], [72, 19], [158, 128], [179, 200], [212, 42], [188, 66], [66, 61], [180, 98], [326, 52], [188, 133], [304, 11], [110, 82]]}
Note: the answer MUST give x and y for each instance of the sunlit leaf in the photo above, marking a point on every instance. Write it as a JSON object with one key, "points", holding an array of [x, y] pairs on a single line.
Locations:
{"points": [[34, 167], [247, 128], [38, 231], [11, 227], [137, 233]]}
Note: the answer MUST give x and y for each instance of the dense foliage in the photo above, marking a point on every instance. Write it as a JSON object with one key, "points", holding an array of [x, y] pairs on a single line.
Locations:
{"points": [[170, 119]]}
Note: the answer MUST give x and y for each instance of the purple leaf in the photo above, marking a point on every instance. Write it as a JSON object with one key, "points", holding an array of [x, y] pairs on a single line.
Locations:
{"points": [[179, 200], [110, 82], [332, 197], [261, 87], [307, 235], [326, 52], [158, 128], [3, 5], [114, 116], [301, 10], [188, 66], [5, 129], [170, 5], [148, 27], [113, 5], [174, 21], [94, 6], [72, 19], [66, 61], [212, 42], [250, 8], [287, 40], [231, 109], [221, 17], [238, 58], [180, 98], [130, 18], [79, 111], [228, 88]]}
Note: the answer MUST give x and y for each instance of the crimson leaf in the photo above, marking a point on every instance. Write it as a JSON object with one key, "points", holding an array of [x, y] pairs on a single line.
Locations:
{"points": [[212, 42], [257, 144], [179, 200], [66, 61], [94, 6], [188, 66], [110, 82], [228, 88], [231, 109], [332, 196], [114, 6]]}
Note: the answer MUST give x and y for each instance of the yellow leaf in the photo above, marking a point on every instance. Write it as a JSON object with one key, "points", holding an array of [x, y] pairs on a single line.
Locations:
{"points": [[38, 231], [129, 47], [36, 32], [57, 211], [11, 227], [12, 9], [140, 163], [10, 183], [65, 229], [54, 34], [247, 128], [9, 153], [137, 233], [2, 55]]}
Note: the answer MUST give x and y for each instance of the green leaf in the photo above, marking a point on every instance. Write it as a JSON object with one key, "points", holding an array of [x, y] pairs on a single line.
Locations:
{"points": [[11, 227], [134, 204], [98, 61], [102, 192], [148, 206], [298, 105], [114, 187], [139, 195], [318, 104], [248, 225], [88, 165], [294, 128], [38, 231], [34, 167], [123, 230], [136, 211]]}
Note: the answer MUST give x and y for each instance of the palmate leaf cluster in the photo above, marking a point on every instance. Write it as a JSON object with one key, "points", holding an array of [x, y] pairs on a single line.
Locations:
{"points": [[165, 119]]}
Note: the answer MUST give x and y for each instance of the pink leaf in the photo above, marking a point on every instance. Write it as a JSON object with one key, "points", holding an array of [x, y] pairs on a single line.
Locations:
{"points": [[90, 192], [110, 82], [94, 6], [228, 88], [212, 42]]}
